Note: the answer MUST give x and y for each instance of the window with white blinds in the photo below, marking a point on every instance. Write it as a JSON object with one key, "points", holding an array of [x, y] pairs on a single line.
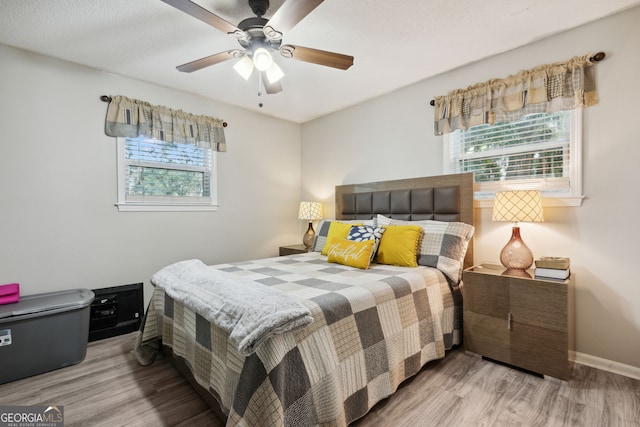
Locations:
{"points": [[159, 175], [541, 151]]}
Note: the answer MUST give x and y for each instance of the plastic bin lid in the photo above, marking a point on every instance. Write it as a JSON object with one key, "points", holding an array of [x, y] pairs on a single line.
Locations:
{"points": [[28, 304]]}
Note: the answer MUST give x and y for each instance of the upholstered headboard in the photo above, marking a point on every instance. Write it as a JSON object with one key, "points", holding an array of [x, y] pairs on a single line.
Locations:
{"points": [[441, 198]]}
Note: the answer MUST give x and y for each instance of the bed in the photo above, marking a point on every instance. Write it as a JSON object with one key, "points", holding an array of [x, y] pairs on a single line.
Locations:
{"points": [[370, 328]]}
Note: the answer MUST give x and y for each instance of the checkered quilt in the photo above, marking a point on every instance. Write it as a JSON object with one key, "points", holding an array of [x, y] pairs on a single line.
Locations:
{"points": [[372, 330]]}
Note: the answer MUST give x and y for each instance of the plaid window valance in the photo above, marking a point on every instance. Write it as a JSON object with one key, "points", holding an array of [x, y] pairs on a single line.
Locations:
{"points": [[133, 118], [544, 89]]}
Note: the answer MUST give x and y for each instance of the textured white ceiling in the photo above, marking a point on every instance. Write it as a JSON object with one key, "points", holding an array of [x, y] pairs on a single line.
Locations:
{"points": [[395, 43]]}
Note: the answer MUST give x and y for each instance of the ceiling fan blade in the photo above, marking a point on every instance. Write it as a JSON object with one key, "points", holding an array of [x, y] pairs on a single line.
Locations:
{"points": [[315, 56], [201, 63], [198, 12], [270, 88], [289, 14]]}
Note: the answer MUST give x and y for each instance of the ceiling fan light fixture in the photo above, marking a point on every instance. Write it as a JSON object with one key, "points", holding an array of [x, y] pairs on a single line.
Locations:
{"points": [[262, 59], [274, 73], [244, 67], [259, 37]]}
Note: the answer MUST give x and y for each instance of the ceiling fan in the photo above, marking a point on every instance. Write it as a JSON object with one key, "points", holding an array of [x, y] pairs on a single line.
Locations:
{"points": [[259, 37]]}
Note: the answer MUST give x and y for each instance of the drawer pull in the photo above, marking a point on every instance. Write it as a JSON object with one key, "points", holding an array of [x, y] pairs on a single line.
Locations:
{"points": [[509, 321]]}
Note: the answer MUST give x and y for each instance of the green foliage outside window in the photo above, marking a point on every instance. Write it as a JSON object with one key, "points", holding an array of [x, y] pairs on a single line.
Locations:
{"points": [[165, 182], [158, 168], [535, 147]]}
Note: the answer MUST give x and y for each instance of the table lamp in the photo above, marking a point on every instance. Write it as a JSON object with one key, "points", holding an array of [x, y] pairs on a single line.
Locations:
{"points": [[311, 211], [517, 206]]}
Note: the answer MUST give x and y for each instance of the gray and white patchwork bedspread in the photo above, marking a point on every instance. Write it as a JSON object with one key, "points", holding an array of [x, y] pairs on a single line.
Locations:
{"points": [[372, 329]]}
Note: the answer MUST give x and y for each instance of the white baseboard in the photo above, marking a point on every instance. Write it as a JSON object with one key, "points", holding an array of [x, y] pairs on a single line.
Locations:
{"points": [[605, 365]]}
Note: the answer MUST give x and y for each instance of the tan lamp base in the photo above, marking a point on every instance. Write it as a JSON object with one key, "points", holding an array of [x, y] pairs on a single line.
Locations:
{"points": [[309, 236]]}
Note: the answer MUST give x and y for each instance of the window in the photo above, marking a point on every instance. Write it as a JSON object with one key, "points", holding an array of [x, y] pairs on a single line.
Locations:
{"points": [[541, 151], [165, 176]]}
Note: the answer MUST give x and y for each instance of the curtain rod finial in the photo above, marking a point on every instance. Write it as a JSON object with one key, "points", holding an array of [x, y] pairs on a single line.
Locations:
{"points": [[105, 98]]}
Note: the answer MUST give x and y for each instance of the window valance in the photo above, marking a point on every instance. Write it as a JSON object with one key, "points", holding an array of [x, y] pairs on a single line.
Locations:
{"points": [[544, 89], [133, 118]]}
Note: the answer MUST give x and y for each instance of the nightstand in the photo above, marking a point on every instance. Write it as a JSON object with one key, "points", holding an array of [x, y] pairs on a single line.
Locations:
{"points": [[293, 249], [512, 317]]}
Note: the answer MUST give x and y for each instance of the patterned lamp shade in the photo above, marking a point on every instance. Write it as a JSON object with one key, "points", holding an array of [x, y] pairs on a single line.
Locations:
{"points": [[310, 211], [518, 206]]}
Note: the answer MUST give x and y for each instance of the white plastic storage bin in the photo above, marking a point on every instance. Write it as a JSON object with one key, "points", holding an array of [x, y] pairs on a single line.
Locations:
{"points": [[43, 332]]}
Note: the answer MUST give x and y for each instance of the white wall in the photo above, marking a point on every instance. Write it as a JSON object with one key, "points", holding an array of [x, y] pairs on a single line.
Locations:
{"points": [[52, 122], [59, 228], [392, 137]]}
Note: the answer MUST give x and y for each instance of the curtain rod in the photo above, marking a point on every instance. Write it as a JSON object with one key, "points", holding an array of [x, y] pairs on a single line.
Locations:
{"points": [[595, 58], [107, 98]]}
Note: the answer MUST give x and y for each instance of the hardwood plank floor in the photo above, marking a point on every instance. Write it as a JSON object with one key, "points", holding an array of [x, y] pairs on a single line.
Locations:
{"points": [[109, 388]]}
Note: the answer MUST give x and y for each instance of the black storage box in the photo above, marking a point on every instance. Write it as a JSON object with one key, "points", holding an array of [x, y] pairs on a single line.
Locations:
{"points": [[115, 311]]}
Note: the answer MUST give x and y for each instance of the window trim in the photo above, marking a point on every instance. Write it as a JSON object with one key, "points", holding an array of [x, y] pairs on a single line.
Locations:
{"points": [[162, 206], [573, 198]]}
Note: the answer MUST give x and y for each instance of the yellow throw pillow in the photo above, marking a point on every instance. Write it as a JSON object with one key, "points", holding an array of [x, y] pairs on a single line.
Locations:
{"points": [[399, 245], [339, 230], [348, 252]]}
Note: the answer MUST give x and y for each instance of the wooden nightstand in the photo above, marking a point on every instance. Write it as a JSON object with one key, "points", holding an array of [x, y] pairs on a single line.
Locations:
{"points": [[293, 249], [517, 319]]}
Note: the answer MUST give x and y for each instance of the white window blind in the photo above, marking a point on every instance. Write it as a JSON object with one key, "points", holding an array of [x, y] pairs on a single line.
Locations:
{"points": [[164, 175], [541, 151]]}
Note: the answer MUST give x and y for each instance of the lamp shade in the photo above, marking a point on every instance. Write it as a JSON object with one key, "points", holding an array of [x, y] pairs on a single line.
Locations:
{"points": [[244, 67], [310, 211], [274, 73], [518, 206], [262, 59]]}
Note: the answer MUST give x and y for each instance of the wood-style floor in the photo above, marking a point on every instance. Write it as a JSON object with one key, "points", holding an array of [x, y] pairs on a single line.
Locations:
{"points": [[110, 389]]}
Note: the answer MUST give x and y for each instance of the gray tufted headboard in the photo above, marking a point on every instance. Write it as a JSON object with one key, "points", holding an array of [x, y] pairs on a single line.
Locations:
{"points": [[441, 198]]}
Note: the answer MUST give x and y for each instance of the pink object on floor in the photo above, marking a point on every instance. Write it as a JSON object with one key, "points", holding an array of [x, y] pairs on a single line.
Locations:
{"points": [[9, 293]]}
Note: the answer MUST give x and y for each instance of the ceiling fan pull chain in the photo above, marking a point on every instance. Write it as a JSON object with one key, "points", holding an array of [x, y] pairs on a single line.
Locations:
{"points": [[260, 104]]}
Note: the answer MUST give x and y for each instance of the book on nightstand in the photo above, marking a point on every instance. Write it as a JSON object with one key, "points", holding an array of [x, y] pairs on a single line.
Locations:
{"points": [[552, 273], [552, 268], [553, 262]]}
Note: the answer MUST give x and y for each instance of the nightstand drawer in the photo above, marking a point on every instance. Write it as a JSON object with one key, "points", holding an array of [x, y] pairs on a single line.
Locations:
{"points": [[539, 350], [486, 295], [539, 303], [486, 335]]}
